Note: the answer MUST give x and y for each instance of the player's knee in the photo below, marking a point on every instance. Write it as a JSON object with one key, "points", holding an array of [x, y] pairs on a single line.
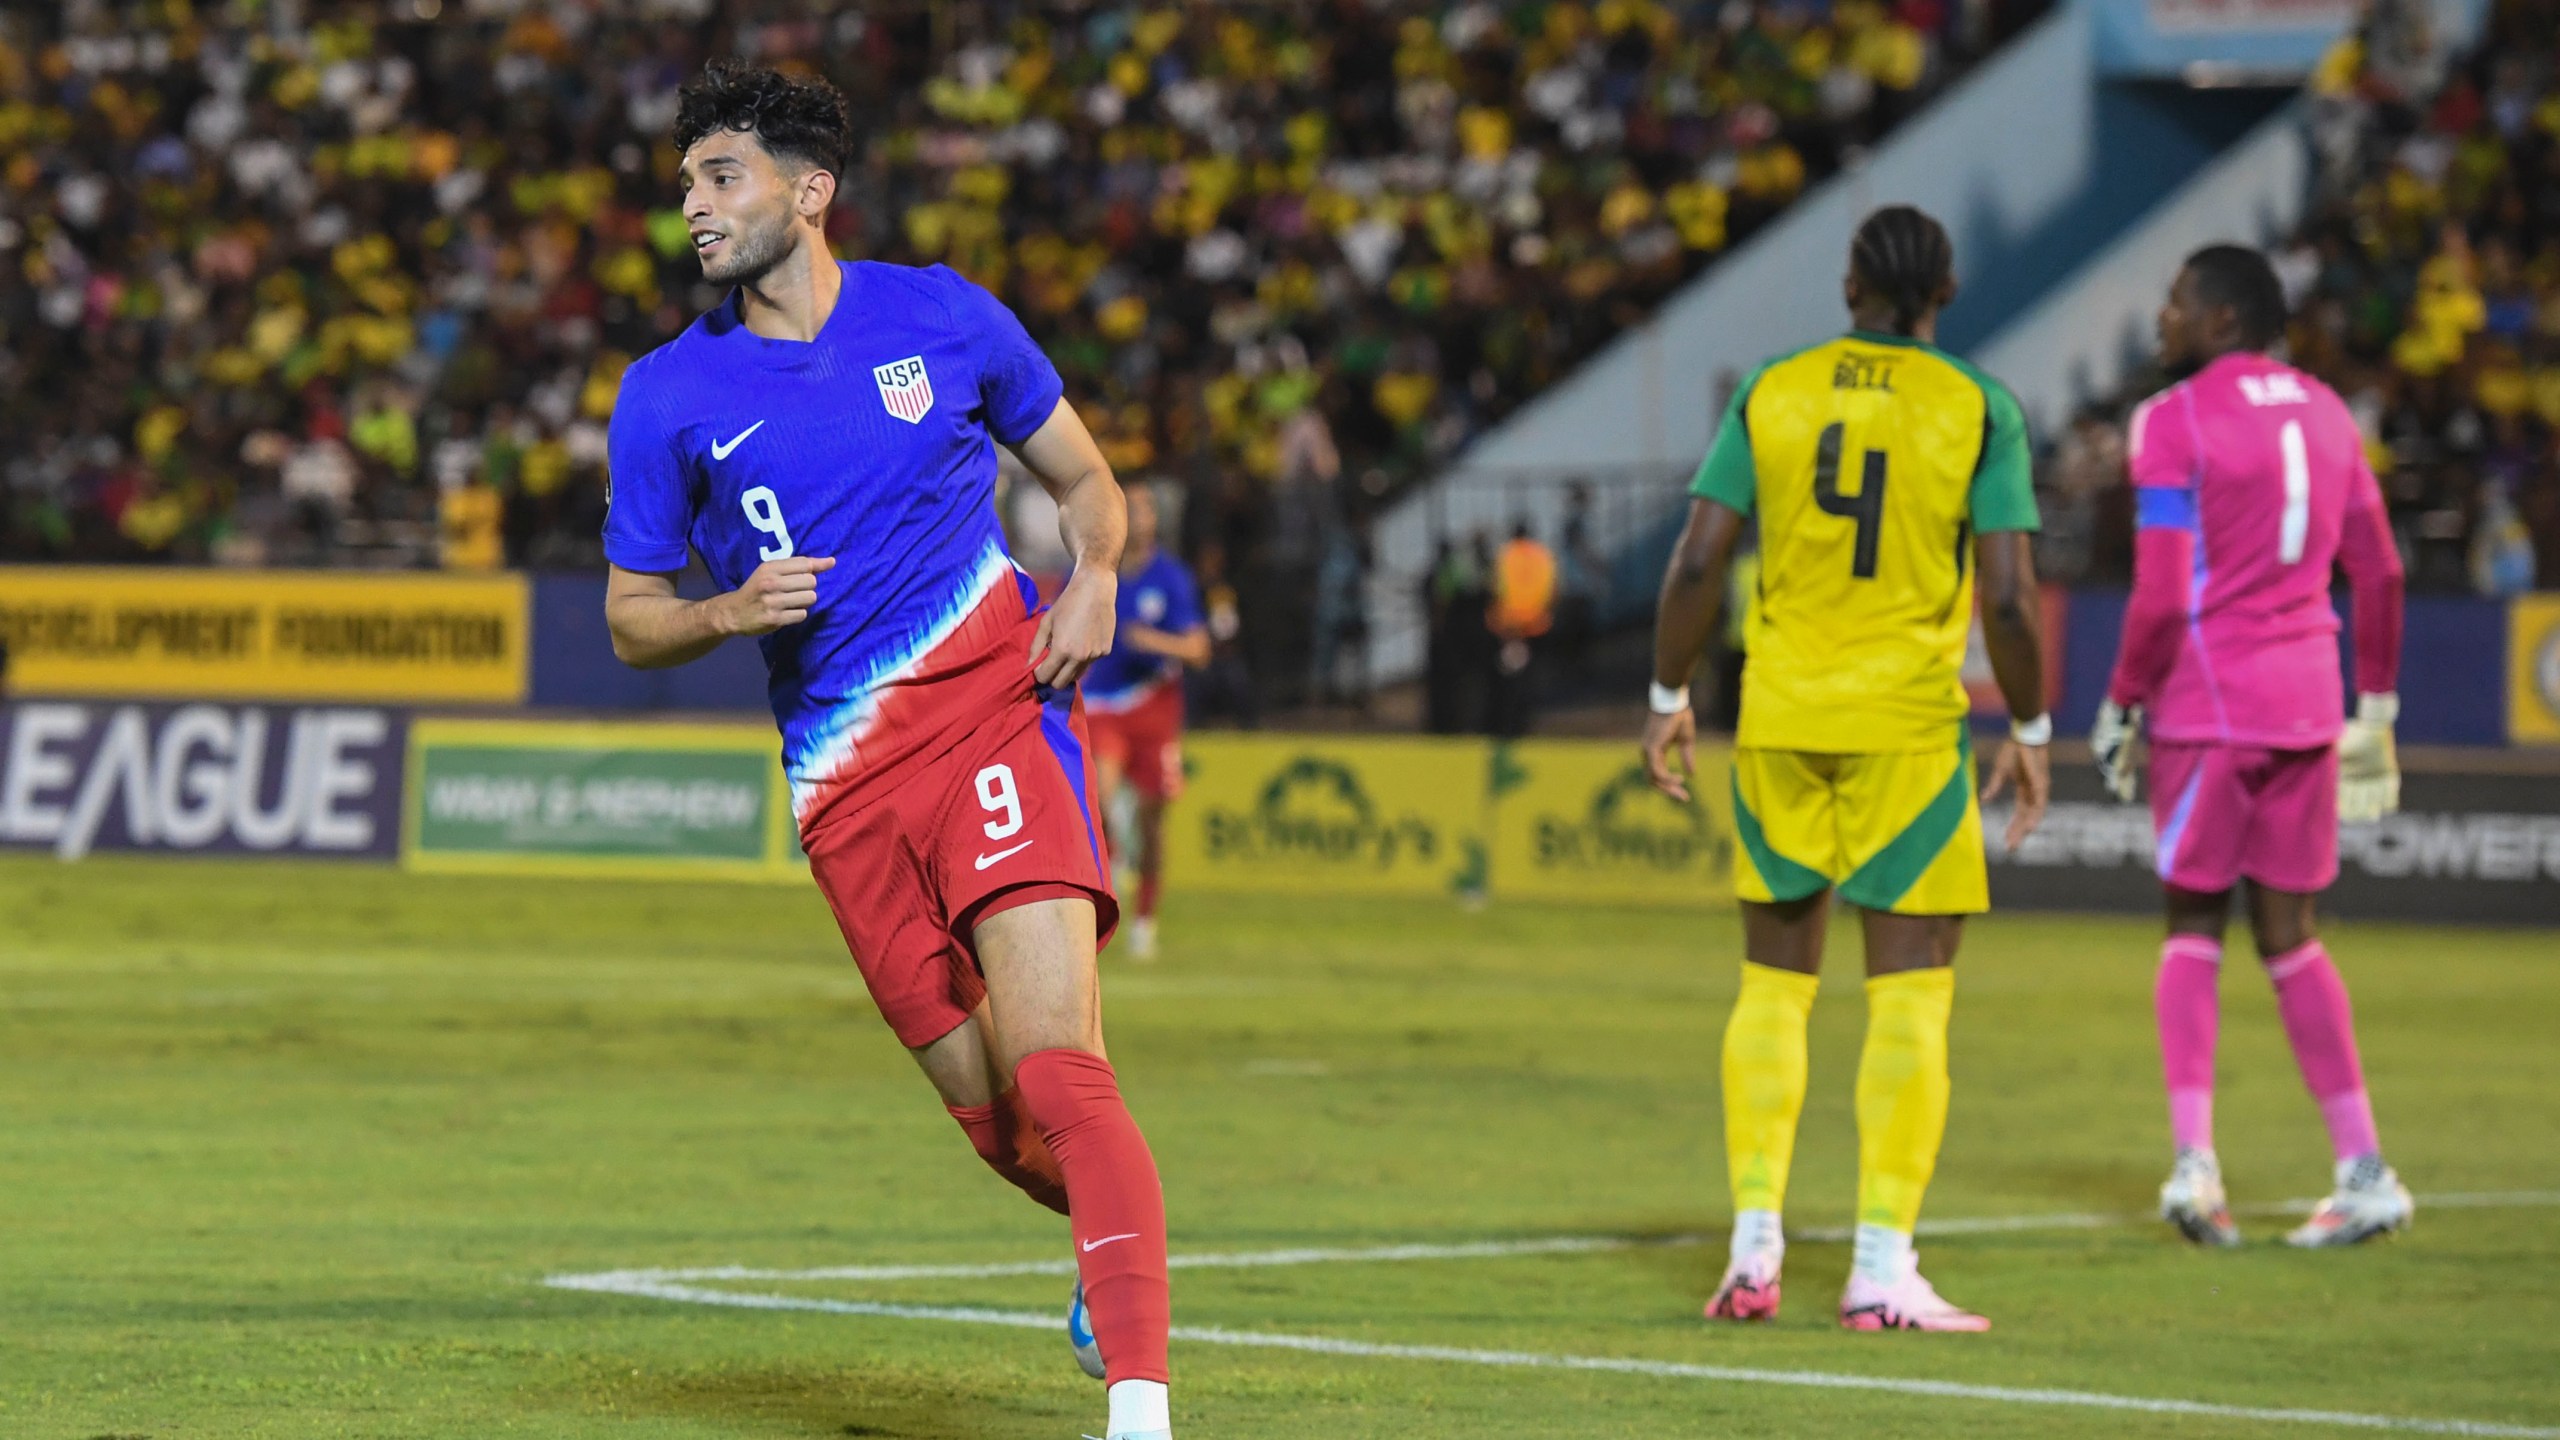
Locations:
{"points": [[1064, 1089], [2280, 922]]}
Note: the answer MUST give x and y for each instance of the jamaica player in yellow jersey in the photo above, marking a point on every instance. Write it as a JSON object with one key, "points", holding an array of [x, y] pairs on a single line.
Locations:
{"points": [[1877, 466]]}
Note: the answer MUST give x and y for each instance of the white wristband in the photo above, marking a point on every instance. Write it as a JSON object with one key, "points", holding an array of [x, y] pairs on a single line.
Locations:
{"points": [[2038, 731], [2378, 709], [1663, 700]]}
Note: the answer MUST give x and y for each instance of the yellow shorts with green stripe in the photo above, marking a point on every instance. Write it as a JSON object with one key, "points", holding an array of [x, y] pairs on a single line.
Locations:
{"points": [[1895, 832]]}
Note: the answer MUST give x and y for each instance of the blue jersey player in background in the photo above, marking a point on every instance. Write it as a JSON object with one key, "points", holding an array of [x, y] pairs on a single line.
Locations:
{"points": [[1134, 697], [824, 441]]}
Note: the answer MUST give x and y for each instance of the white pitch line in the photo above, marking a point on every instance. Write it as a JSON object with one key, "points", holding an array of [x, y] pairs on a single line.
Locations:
{"points": [[1498, 1249], [1523, 1359], [2008, 1224], [1234, 1260]]}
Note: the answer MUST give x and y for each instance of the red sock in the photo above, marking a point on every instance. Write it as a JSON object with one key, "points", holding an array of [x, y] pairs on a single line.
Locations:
{"points": [[1149, 885], [1118, 1219], [1001, 1133]]}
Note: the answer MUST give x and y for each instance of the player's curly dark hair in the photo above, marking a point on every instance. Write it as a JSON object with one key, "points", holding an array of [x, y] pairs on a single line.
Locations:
{"points": [[2241, 278], [795, 120], [1905, 258]]}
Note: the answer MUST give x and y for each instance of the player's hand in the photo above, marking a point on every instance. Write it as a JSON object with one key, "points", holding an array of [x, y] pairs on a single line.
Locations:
{"points": [[1666, 737], [1076, 630], [2115, 742], [2368, 762], [780, 593], [2028, 768]]}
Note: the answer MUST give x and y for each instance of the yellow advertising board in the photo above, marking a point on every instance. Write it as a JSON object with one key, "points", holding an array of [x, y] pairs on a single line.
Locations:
{"points": [[2533, 670], [266, 634], [1323, 814], [1576, 820]]}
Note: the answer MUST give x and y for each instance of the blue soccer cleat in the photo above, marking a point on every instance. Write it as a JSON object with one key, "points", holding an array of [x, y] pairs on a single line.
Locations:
{"points": [[1080, 1335]]}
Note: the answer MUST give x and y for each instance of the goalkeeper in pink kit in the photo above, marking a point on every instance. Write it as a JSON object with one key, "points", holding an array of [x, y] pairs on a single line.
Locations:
{"points": [[2250, 486]]}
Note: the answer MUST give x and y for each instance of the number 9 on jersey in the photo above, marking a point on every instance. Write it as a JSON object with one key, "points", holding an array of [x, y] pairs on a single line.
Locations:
{"points": [[764, 511]]}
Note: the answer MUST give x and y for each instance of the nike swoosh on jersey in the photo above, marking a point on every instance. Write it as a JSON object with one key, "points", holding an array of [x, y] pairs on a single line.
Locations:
{"points": [[986, 860], [1092, 1245], [720, 451]]}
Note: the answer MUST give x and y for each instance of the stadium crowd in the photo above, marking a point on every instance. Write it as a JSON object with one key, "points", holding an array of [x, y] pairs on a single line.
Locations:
{"points": [[354, 283], [2426, 288]]}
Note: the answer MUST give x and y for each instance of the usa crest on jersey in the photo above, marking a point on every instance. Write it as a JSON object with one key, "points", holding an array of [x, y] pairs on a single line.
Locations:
{"points": [[905, 388]]}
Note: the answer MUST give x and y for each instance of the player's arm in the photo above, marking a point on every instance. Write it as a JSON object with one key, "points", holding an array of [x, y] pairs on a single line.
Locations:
{"points": [[1723, 493], [2155, 615], [1191, 646], [2161, 456], [2368, 761], [1093, 519], [2013, 633], [2376, 584], [650, 511], [2002, 509], [1184, 634], [654, 628], [1693, 589]]}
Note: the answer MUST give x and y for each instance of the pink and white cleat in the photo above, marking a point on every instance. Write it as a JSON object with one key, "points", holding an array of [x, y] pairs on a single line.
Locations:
{"points": [[1909, 1303], [2369, 1201], [2192, 1199], [1749, 1290]]}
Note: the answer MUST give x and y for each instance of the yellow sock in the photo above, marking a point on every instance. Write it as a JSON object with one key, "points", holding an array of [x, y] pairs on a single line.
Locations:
{"points": [[1764, 1082], [1902, 1093]]}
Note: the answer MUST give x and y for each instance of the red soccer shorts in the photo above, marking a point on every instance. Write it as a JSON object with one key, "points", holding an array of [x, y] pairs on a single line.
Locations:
{"points": [[2224, 811], [1003, 818], [1144, 742]]}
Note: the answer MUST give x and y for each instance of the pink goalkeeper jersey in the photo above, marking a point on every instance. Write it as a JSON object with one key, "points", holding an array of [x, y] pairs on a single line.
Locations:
{"points": [[2250, 485]]}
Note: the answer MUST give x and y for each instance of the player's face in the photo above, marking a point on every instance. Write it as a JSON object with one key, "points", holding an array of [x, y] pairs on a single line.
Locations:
{"points": [[2182, 347], [1142, 520], [738, 205]]}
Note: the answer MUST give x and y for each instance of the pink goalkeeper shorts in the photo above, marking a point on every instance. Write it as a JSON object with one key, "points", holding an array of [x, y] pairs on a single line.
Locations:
{"points": [[2225, 811]]}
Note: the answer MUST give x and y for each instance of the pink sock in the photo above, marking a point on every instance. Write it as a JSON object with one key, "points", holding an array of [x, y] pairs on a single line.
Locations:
{"points": [[2322, 1026], [2190, 1015]]}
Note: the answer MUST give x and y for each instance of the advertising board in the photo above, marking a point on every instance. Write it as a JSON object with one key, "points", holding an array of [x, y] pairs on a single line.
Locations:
{"points": [[265, 634], [1348, 815], [1576, 820], [200, 777], [2533, 670], [2480, 848], [516, 797]]}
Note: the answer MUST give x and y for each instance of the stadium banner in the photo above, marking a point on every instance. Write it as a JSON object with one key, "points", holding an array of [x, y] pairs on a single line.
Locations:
{"points": [[2482, 848], [1576, 820], [2533, 670], [1329, 814], [200, 778], [643, 800], [393, 637], [2244, 40]]}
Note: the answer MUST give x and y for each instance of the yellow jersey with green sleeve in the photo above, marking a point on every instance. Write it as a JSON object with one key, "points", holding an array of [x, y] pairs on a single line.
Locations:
{"points": [[1870, 462]]}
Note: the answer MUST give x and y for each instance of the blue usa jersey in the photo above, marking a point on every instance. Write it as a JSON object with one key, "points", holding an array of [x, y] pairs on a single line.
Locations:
{"points": [[874, 444], [1164, 597]]}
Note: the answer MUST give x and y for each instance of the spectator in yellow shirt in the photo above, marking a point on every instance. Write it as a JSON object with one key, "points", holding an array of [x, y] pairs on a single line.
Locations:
{"points": [[470, 525]]}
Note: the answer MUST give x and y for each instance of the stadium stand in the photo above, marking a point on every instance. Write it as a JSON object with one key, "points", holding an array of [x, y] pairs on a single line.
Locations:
{"points": [[2426, 284], [313, 285]]}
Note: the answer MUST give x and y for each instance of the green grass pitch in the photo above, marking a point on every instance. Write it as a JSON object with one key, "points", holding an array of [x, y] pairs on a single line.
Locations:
{"points": [[287, 1150]]}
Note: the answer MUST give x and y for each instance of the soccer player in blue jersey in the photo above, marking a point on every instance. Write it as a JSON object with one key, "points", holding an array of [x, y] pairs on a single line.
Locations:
{"points": [[825, 442], [1135, 696]]}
